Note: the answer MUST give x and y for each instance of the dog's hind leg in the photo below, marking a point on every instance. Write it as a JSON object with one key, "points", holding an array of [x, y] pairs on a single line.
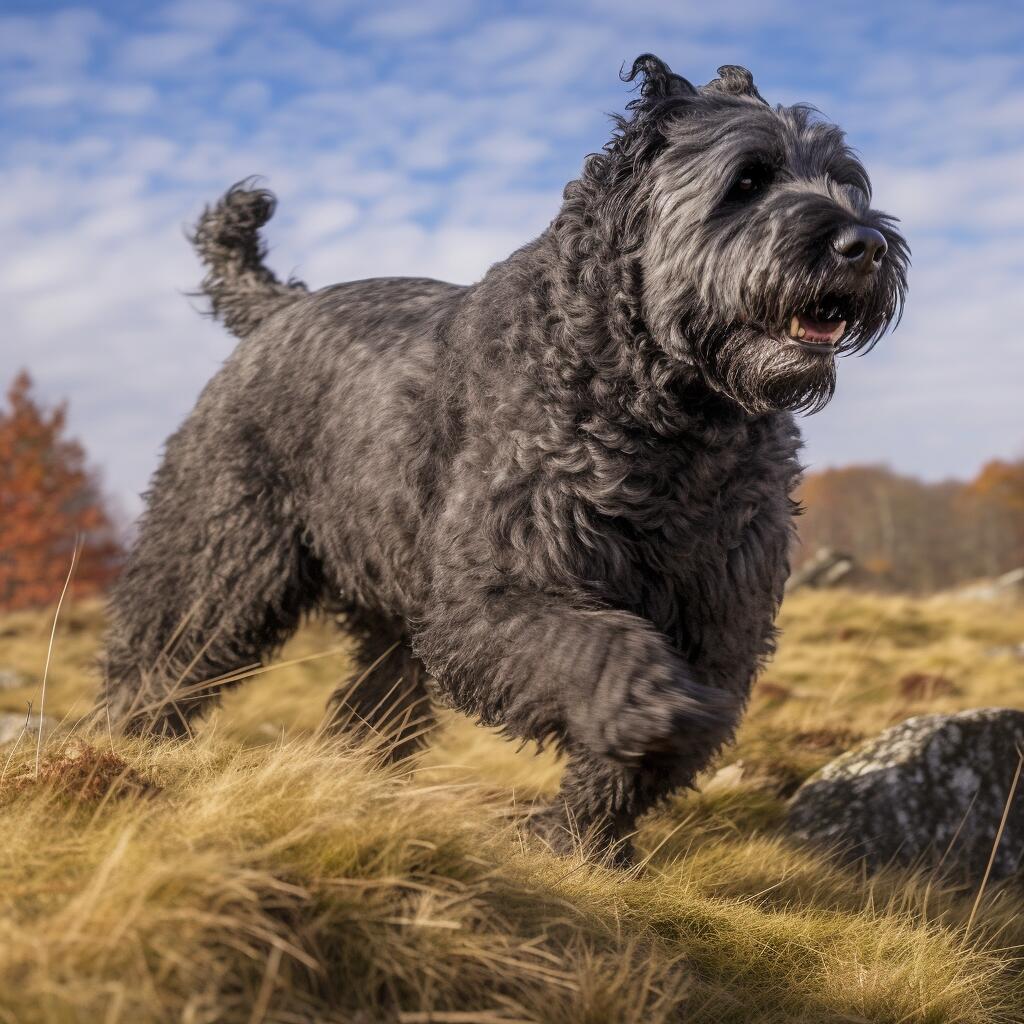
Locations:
{"points": [[217, 580], [385, 697]]}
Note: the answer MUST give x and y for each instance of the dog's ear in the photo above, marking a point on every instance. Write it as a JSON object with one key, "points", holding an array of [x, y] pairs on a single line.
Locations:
{"points": [[735, 81], [657, 80], [611, 180]]}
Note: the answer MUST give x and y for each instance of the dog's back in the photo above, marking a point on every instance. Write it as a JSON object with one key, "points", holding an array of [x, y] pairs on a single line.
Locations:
{"points": [[340, 384]]}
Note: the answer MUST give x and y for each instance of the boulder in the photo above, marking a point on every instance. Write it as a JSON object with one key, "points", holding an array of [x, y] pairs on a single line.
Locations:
{"points": [[13, 722], [825, 568], [930, 791], [12, 679], [1009, 585]]}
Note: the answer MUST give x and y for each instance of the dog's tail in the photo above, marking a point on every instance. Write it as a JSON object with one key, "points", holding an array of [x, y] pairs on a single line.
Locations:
{"points": [[243, 292]]}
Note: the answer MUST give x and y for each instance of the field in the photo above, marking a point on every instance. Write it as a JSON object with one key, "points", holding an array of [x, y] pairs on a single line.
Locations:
{"points": [[256, 874]]}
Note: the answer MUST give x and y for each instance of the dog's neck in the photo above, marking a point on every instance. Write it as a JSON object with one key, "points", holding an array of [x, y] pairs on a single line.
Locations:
{"points": [[605, 350]]}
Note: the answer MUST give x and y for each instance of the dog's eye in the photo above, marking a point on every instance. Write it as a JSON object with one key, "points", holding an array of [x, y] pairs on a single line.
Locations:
{"points": [[750, 183]]}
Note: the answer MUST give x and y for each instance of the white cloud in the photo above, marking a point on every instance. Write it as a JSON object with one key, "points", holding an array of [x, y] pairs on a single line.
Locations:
{"points": [[509, 148], [49, 94], [404, 139], [971, 194], [413, 19], [251, 95], [124, 99], [211, 16], [319, 220], [55, 41], [157, 52]]}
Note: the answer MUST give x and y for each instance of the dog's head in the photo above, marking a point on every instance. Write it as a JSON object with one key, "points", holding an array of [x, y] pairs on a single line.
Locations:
{"points": [[760, 256]]}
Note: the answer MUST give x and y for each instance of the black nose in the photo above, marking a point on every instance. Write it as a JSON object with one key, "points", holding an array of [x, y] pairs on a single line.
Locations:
{"points": [[860, 247]]}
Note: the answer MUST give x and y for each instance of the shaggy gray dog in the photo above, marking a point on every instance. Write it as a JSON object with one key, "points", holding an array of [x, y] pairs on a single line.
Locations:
{"points": [[560, 494]]}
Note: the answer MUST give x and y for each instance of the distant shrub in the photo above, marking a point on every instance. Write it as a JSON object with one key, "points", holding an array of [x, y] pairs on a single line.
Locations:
{"points": [[909, 534], [48, 497]]}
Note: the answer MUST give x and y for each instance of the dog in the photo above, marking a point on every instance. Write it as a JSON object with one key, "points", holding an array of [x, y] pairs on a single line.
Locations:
{"points": [[557, 500]]}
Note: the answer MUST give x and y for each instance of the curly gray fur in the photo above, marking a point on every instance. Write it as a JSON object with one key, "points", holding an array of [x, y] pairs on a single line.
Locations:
{"points": [[242, 290], [563, 492]]}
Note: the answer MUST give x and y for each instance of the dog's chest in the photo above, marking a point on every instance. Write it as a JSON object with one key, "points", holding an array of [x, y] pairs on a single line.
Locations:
{"points": [[697, 543]]}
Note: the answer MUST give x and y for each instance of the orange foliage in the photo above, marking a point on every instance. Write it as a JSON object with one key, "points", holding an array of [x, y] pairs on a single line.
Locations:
{"points": [[912, 535], [47, 497], [1003, 481]]}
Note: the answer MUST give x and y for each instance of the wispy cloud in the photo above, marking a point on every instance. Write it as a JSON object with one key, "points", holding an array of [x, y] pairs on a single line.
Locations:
{"points": [[410, 139]]}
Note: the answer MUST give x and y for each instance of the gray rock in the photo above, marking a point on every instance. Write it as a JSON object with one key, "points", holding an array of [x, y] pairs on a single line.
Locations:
{"points": [[12, 723], [929, 791], [10, 679], [1009, 585], [1015, 651], [825, 568]]}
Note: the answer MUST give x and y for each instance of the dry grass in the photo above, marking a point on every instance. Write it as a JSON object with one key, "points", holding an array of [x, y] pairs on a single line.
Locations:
{"points": [[255, 875]]}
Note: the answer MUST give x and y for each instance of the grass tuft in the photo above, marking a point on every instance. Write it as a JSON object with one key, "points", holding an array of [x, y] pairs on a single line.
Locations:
{"points": [[260, 874]]}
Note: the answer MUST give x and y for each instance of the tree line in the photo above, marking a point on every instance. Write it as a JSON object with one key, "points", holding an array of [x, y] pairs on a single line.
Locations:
{"points": [[907, 534], [50, 500], [903, 533]]}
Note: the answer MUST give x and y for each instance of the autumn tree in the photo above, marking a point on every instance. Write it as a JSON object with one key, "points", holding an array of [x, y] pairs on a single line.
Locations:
{"points": [[908, 534], [992, 510], [48, 497]]}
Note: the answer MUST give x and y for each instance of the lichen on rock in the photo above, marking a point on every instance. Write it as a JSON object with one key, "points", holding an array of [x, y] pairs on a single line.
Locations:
{"points": [[930, 791]]}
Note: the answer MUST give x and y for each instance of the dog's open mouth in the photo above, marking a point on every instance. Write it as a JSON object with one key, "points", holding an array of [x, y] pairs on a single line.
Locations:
{"points": [[821, 325]]}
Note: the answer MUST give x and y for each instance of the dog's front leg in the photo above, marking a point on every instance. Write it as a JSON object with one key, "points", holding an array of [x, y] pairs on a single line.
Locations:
{"points": [[600, 680], [606, 684], [599, 802]]}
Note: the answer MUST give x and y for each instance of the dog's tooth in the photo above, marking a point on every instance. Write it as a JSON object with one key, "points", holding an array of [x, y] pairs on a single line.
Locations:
{"points": [[800, 333], [794, 326], [838, 332]]}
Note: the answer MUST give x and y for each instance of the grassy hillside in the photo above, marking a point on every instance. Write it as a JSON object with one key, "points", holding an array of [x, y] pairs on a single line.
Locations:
{"points": [[256, 875]]}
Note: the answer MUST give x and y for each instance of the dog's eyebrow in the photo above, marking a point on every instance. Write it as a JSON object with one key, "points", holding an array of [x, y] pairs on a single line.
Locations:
{"points": [[767, 157], [740, 144], [847, 171], [728, 165]]}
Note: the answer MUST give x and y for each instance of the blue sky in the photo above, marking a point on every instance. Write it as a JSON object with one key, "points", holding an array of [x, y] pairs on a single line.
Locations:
{"points": [[419, 138]]}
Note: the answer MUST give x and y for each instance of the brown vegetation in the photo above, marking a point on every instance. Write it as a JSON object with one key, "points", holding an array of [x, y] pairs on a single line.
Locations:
{"points": [[48, 499], [275, 878], [906, 534]]}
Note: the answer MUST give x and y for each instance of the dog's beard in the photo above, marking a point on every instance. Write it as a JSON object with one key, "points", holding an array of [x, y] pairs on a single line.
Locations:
{"points": [[772, 345], [762, 373], [753, 350], [766, 374]]}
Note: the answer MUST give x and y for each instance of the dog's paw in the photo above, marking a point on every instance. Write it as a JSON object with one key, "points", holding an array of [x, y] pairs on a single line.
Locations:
{"points": [[165, 724], [647, 702], [599, 844]]}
